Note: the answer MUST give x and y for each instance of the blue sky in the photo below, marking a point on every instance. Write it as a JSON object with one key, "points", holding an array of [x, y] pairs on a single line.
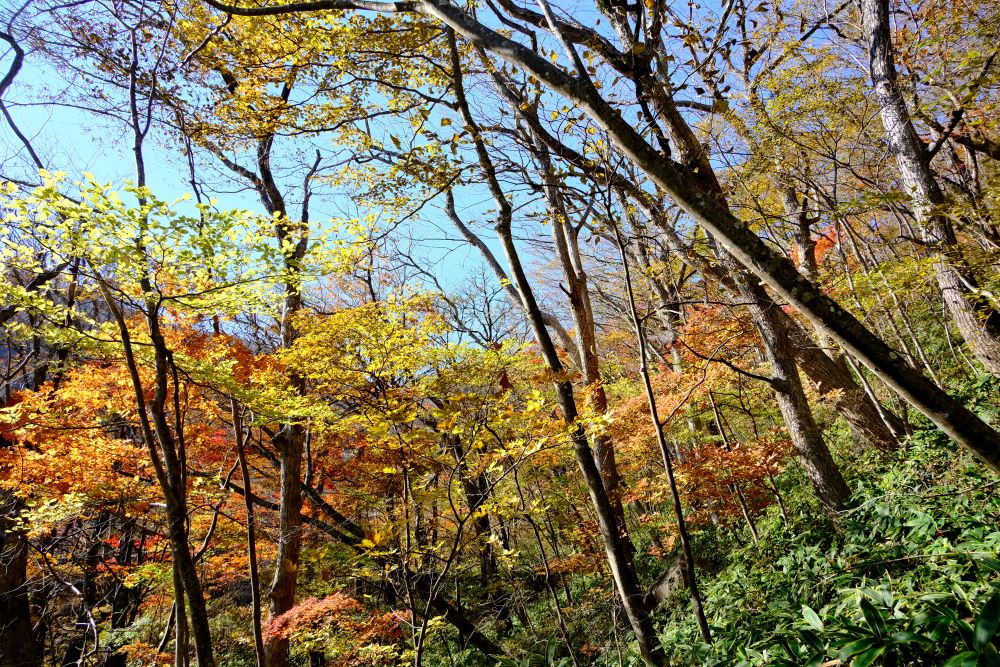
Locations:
{"points": [[75, 141]]}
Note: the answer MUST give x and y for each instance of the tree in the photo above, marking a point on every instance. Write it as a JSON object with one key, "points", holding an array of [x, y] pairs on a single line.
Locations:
{"points": [[977, 320], [747, 249]]}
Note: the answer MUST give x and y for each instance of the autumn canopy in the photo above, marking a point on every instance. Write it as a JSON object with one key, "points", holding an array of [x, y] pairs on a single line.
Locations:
{"points": [[360, 333]]}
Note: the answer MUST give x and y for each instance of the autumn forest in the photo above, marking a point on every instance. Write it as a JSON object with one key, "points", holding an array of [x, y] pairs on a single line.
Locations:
{"points": [[548, 333]]}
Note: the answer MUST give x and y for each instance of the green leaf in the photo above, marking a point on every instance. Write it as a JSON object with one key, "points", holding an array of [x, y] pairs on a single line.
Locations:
{"points": [[550, 652], [858, 646], [816, 660], [986, 623], [812, 640], [989, 563], [868, 657], [909, 638], [990, 657], [967, 659], [874, 617], [792, 652], [939, 627], [812, 618], [965, 631]]}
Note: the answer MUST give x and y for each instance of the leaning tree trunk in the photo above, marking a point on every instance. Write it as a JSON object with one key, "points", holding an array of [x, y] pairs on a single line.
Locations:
{"points": [[879, 426], [829, 484], [162, 445], [661, 441], [617, 548], [979, 325]]}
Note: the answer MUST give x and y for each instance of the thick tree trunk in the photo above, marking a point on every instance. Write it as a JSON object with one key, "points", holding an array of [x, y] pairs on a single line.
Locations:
{"points": [[979, 325], [17, 641], [281, 597], [829, 484], [179, 620], [750, 251], [831, 489], [857, 406], [879, 426], [290, 440]]}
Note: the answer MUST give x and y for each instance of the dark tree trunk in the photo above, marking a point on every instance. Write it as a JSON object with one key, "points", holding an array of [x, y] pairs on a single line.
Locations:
{"points": [[668, 466], [566, 241], [878, 425], [258, 633], [17, 641], [829, 484]]}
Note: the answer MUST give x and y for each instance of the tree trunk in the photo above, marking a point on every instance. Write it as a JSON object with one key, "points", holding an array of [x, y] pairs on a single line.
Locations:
{"points": [[167, 461], [290, 441], [617, 548], [979, 324], [831, 489], [881, 427], [17, 641], [661, 441], [566, 242], [258, 633], [281, 597]]}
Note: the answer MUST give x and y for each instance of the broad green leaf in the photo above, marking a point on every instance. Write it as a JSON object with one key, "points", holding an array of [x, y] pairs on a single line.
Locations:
{"points": [[986, 623], [909, 638], [812, 640], [967, 659], [812, 618], [817, 659], [868, 657], [858, 646], [874, 617]]}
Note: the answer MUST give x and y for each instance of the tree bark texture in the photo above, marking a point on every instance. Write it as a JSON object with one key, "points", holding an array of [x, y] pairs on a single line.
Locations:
{"points": [[979, 325], [17, 640]]}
